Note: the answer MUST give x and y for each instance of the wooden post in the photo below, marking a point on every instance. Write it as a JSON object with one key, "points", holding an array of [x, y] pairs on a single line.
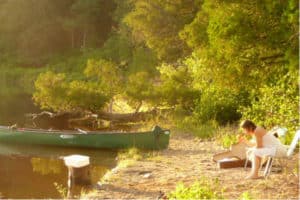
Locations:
{"points": [[78, 172]]}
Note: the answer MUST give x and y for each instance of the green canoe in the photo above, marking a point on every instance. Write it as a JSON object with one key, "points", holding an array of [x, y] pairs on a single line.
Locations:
{"points": [[155, 139]]}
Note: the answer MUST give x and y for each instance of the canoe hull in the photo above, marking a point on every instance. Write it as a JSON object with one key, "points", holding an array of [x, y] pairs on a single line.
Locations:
{"points": [[156, 139]]}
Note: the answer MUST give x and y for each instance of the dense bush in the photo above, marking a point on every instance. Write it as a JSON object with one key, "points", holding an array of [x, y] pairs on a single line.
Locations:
{"points": [[218, 104]]}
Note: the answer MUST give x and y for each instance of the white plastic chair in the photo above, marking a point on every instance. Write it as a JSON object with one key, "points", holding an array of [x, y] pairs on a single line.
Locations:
{"points": [[288, 155]]}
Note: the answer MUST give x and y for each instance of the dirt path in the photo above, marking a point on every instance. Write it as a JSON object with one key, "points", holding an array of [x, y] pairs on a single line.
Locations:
{"points": [[186, 160]]}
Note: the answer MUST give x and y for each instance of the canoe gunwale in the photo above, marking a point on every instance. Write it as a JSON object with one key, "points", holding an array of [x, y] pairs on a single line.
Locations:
{"points": [[70, 132]]}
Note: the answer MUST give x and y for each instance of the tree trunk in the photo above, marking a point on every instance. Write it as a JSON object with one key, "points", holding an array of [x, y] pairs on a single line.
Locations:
{"points": [[72, 39], [138, 107], [84, 38], [110, 109]]}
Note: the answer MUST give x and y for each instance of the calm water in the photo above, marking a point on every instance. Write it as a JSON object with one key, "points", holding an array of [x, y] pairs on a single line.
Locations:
{"points": [[33, 171]]}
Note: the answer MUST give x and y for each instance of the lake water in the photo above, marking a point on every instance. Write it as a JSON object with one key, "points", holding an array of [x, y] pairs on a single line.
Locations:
{"points": [[39, 171]]}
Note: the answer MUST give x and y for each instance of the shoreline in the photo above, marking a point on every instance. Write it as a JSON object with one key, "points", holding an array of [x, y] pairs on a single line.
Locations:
{"points": [[187, 160]]}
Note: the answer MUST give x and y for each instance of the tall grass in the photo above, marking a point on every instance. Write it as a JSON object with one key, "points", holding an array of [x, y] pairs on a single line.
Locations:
{"points": [[192, 126]]}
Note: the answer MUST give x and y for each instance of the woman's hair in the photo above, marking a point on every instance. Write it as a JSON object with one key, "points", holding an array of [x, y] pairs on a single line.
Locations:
{"points": [[249, 125]]}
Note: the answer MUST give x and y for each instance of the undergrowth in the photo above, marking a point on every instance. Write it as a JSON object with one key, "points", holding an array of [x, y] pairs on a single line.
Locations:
{"points": [[201, 189]]}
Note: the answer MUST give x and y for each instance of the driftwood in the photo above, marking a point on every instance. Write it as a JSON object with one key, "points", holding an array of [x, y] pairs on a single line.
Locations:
{"points": [[48, 120], [89, 121]]}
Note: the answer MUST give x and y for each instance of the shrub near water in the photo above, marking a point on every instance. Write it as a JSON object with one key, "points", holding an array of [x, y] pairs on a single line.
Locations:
{"points": [[202, 189], [276, 105]]}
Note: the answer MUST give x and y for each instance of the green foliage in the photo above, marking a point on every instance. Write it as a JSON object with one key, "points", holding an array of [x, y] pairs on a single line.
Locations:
{"points": [[105, 73], [118, 48], [246, 196], [227, 48], [228, 140], [227, 136], [219, 104], [132, 153], [202, 189], [21, 79], [51, 90], [213, 57], [143, 59], [35, 30], [16, 87], [28, 27], [54, 92], [101, 81], [238, 42], [137, 154], [157, 23], [176, 86], [86, 96], [276, 104], [193, 34], [139, 89], [296, 170], [190, 124], [63, 191]]}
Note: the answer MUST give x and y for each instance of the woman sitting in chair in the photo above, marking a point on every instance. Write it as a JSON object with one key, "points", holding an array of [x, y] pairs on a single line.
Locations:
{"points": [[266, 145]]}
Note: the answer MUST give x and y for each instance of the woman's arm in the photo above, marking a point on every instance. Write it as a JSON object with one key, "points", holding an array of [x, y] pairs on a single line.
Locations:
{"points": [[249, 143]]}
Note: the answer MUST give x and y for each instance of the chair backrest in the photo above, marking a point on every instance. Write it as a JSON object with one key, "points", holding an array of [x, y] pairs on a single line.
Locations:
{"points": [[278, 131], [294, 143]]}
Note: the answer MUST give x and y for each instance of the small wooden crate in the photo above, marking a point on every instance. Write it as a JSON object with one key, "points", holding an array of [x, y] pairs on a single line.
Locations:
{"points": [[232, 163]]}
